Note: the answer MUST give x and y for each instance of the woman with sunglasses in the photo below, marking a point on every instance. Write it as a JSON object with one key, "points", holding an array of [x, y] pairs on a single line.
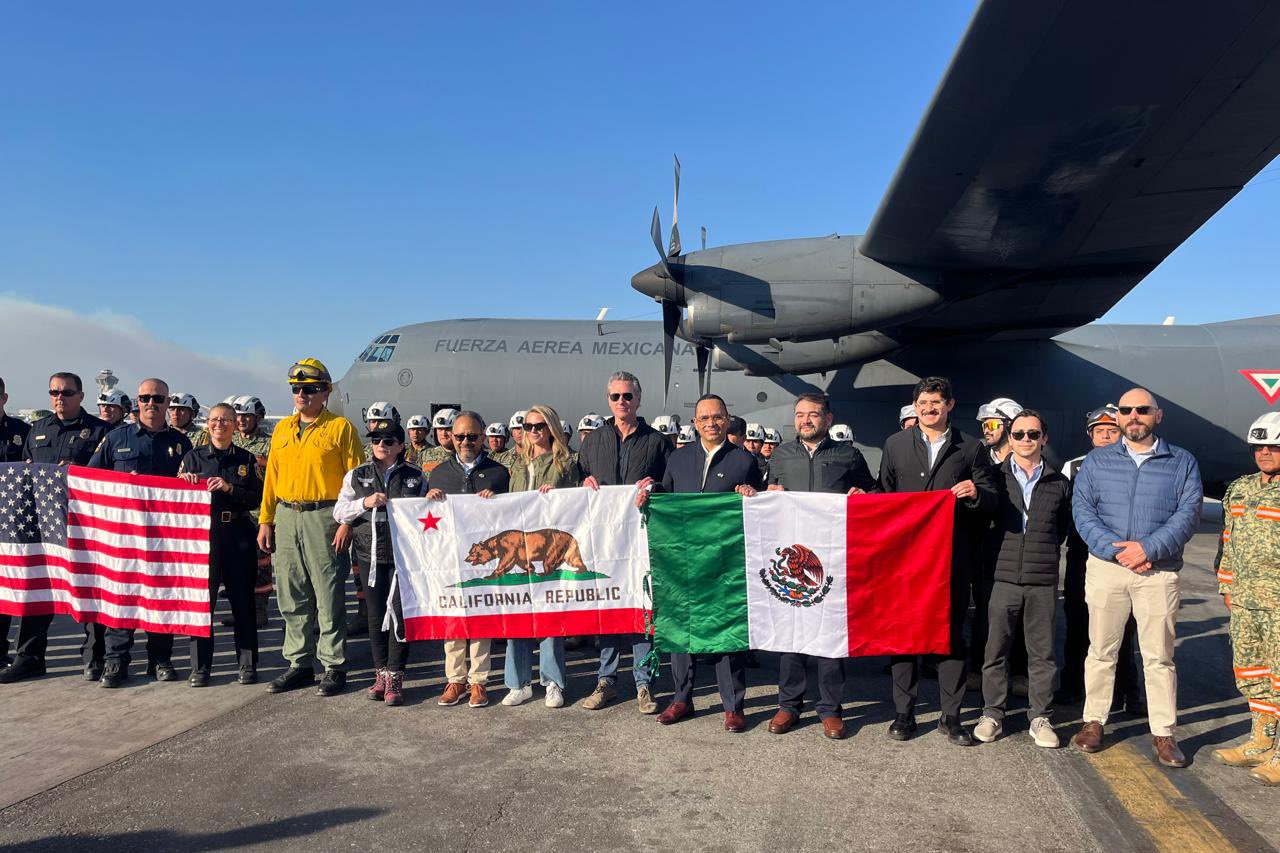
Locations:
{"points": [[362, 507], [544, 463]]}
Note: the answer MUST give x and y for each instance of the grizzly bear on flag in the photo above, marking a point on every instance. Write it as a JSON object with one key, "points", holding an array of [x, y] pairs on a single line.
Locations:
{"points": [[553, 548]]}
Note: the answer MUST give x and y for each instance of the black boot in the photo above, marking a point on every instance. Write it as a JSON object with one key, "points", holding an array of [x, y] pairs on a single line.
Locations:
{"points": [[293, 678], [359, 626]]}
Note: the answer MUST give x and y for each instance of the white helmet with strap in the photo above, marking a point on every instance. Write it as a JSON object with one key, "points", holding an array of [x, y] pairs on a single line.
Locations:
{"points": [[754, 432], [841, 432], [114, 398], [418, 422], [382, 412], [686, 435], [246, 405], [496, 430], [772, 436], [517, 420], [905, 412], [1001, 407], [667, 424], [444, 419], [1266, 429], [184, 401], [590, 421]]}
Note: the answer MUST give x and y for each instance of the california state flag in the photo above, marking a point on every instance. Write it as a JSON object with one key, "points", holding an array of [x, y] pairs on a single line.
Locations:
{"points": [[828, 575], [566, 563]]}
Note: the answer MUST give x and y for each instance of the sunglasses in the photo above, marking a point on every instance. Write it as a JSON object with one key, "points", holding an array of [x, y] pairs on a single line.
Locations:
{"points": [[534, 427], [308, 389], [377, 442], [992, 424], [1033, 434], [466, 436], [1142, 410], [62, 392], [152, 398], [625, 395]]}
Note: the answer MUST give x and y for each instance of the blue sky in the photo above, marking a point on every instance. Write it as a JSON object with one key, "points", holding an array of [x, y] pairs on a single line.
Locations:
{"points": [[258, 181]]}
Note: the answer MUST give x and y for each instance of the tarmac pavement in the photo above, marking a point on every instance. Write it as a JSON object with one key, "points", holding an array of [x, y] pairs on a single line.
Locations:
{"points": [[164, 767]]}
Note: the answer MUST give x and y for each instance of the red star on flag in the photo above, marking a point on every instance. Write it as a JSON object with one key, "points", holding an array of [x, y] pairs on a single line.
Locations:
{"points": [[431, 522]]}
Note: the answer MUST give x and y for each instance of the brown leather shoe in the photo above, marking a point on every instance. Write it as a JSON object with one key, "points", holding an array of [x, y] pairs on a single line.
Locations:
{"points": [[734, 722], [453, 694], [479, 696], [674, 713], [833, 727], [782, 722], [1167, 752], [1089, 738]]}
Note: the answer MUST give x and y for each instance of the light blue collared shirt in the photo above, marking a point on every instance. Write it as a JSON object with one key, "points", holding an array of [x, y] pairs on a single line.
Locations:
{"points": [[1139, 458], [1027, 483]]}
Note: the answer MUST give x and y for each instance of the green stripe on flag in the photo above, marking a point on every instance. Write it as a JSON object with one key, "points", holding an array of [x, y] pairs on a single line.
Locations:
{"points": [[697, 557]]}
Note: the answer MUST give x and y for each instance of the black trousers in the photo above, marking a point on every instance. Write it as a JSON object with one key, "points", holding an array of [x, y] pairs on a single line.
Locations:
{"points": [[233, 563], [952, 667], [793, 681], [1036, 607], [94, 645], [119, 647], [731, 678], [33, 636], [1076, 641], [388, 652]]}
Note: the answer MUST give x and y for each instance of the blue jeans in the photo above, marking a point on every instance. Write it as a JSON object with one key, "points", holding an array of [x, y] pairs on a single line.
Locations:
{"points": [[611, 655], [518, 671]]}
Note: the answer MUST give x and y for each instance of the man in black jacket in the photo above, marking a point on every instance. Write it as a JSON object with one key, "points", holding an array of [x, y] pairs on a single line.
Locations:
{"points": [[625, 450], [935, 455], [467, 472], [1025, 540], [814, 463], [710, 464]]}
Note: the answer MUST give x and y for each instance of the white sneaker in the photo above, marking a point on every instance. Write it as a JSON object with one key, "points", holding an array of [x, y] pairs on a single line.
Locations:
{"points": [[555, 696], [518, 696], [988, 729], [1043, 734]]}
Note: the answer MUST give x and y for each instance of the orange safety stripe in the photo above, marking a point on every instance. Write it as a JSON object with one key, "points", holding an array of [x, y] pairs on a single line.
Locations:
{"points": [[1226, 536], [1237, 509], [1224, 576], [1269, 512], [1264, 707], [1251, 671]]}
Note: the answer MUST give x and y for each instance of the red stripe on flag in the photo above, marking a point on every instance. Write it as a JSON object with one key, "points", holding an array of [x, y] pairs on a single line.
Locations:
{"points": [[525, 625], [54, 608], [150, 531], [147, 555], [898, 564], [144, 480], [92, 569], [138, 504], [95, 593]]}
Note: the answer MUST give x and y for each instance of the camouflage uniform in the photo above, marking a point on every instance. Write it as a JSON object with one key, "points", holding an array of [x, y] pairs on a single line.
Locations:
{"points": [[259, 444], [508, 458], [433, 456], [197, 437], [412, 454], [1249, 576]]}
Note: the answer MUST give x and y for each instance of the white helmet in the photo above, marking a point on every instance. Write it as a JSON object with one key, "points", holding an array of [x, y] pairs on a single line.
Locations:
{"points": [[841, 432], [496, 429], [685, 435], [184, 401], [772, 436], [1266, 429], [590, 421], [382, 412], [667, 424], [517, 420], [444, 419], [906, 412], [1000, 407], [114, 398], [246, 405], [564, 426], [754, 432], [418, 422]]}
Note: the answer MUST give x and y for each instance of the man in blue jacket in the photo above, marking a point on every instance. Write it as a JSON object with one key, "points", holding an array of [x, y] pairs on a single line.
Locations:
{"points": [[1136, 504]]}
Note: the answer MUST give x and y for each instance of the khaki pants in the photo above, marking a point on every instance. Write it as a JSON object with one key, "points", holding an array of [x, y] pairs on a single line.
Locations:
{"points": [[455, 661], [1111, 592], [310, 581]]}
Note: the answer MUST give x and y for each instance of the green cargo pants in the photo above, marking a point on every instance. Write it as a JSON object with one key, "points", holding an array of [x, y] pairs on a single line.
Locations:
{"points": [[310, 587]]}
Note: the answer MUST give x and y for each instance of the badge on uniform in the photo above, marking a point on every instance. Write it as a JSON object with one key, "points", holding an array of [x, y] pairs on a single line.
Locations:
{"points": [[84, 433], [243, 471], [17, 439], [480, 475], [719, 473], [172, 450], [412, 482]]}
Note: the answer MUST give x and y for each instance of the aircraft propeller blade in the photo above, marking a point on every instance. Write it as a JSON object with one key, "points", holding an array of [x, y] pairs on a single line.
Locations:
{"points": [[670, 322], [673, 248], [655, 233], [704, 238]]}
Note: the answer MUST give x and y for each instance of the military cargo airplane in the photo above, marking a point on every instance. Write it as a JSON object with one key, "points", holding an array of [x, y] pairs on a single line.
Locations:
{"points": [[1070, 147]]}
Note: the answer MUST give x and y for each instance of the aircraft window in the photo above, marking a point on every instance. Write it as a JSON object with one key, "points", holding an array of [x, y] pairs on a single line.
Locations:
{"points": [[381, 354], [364, 356], [382, 340], [394, 339]]}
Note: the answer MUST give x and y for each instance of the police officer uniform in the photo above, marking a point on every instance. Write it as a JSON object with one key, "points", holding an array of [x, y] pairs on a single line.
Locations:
{"points": [[233, 552], [13, 436], [134, 449], [56, 442]]}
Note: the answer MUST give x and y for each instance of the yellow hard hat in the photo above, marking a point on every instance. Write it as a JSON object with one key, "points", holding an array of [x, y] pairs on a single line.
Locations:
{"points": [[308, 370]]}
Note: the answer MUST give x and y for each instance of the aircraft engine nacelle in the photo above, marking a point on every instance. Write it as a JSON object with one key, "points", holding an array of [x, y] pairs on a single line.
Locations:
{"points": [[800, 358]]}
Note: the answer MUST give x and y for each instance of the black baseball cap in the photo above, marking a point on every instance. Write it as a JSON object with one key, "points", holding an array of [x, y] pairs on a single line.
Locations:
{"points": [[392, 431]]}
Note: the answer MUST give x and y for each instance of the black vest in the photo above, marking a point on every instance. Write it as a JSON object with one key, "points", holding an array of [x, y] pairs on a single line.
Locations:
{"points": [[404, 481]]}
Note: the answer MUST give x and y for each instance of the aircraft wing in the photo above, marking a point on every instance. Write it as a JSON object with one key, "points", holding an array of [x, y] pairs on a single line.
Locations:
{"points": [[1072, 145]]}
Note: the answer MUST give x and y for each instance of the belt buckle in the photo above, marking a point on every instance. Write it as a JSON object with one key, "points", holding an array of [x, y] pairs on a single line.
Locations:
{"points": [[226, 516]]}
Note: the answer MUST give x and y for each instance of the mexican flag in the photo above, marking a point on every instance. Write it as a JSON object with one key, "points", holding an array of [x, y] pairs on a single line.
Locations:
{"points": [[566, 563], [828, 575]]}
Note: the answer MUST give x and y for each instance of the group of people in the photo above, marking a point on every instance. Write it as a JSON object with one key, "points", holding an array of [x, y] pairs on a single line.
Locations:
{"points": [[1124, 511]]}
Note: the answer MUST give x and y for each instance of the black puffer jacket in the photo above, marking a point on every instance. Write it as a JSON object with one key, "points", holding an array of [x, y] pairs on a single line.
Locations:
{"points": [[615, 462], [833, 468], [1030, 558]]}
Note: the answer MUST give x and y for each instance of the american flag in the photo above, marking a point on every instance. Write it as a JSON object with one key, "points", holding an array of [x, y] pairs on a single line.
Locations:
{"points": [[123, 550]]}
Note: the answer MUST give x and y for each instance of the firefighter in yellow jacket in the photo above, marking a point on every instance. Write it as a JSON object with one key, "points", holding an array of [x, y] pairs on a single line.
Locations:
{"points": [[1249, 580]]}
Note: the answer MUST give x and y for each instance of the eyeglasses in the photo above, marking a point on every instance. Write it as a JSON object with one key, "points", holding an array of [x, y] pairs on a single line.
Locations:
{"points": [[152, 398], [533, 426], [308, 389], [380, 442], [466, 436], [1032, 434], [992, 424], [63, 392], [223, 421], [712, 419], [1141, 410], [625, 395]]}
